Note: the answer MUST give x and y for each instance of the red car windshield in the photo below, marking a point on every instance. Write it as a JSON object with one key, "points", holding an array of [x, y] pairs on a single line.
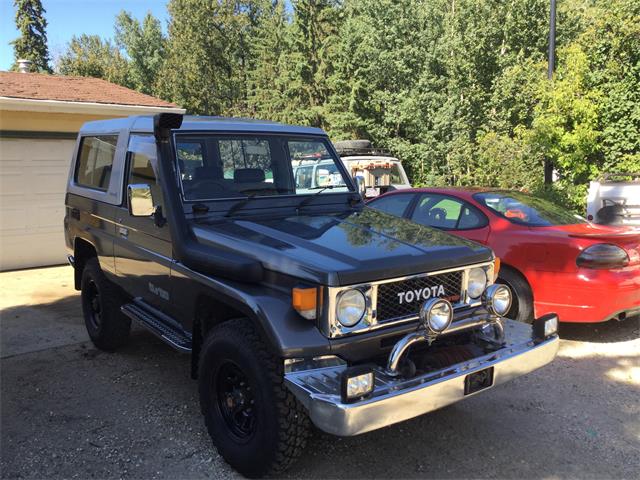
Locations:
{"points": [[526, 210]]}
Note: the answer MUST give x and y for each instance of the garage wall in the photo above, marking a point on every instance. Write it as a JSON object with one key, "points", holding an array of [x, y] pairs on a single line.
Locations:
{"points": [[33, 176]]}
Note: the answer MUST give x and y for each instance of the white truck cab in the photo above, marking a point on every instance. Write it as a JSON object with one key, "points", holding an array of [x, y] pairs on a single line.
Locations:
{"points": [[614, 199], [380, 171]]}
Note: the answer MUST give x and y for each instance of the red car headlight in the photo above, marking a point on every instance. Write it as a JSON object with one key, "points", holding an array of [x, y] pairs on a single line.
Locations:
{"points": [[603, 255]]}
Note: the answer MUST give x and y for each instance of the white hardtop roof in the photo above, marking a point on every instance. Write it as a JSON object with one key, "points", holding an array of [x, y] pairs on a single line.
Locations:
{"points": [[144, 123]]}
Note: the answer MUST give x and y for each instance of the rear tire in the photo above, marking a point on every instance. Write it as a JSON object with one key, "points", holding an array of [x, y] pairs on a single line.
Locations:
{"points": [[106, 325], [255, 422], [522, 304]]}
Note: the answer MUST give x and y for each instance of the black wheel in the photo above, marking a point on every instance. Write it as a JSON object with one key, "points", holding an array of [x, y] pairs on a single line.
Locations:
{"points": [[107, 326], [522, 303], [256, 424]]}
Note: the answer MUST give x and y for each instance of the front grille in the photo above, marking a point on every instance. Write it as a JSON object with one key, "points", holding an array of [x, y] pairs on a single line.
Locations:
{"points": [[400, 299]]}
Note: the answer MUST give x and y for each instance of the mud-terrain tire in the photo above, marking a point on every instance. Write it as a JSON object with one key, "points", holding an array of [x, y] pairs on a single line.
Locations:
{"points": [[254, 421], [522, 303], [107, 326]]}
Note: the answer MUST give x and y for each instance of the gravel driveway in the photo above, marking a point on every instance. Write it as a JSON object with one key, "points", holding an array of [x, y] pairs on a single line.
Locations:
{"points": [[71, 411]]}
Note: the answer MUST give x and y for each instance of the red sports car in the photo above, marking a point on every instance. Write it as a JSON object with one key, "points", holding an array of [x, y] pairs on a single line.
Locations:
{"points": [[553, 260]]}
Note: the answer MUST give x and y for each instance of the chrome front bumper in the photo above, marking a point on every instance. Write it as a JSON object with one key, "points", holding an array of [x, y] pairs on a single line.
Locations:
{"points": [[395, 399]]}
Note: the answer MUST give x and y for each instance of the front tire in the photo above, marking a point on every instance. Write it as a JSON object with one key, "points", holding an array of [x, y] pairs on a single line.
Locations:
{"points": [[106, 325], [254, 421], [522, 303]]}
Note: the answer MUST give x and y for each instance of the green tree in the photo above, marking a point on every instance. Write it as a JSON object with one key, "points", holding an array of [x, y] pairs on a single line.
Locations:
{"points": [[206, 65], [144, 46], [308, 61], [267, 74], [90, 56], [612, 44], [32, 43]]}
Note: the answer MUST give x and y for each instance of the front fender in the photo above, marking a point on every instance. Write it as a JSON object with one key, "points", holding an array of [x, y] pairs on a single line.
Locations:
{"points": [[287, 332]]}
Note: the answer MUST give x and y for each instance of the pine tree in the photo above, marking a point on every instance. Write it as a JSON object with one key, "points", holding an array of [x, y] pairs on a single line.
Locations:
{"points": [[205, 69], [144, 45], [90, 56], [32, 43]]}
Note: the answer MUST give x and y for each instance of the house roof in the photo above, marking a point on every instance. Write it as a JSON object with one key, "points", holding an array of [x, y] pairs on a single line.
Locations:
{"points": [[37, 86]]}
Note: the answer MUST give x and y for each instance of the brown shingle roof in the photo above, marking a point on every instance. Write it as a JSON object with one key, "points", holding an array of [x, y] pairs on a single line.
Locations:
{"points": [[38, 86]]}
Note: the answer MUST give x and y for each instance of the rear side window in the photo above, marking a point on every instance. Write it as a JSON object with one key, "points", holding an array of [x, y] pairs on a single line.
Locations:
{"points": [[95, 162]]}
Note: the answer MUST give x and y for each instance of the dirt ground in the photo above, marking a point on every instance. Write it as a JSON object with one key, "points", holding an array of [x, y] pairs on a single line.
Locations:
{"points": [[71, 411]]}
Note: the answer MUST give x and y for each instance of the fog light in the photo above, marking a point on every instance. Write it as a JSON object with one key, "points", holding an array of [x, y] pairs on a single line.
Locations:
{"points": [[545, 326], [436, 315], [357, 382], [497, 299]]}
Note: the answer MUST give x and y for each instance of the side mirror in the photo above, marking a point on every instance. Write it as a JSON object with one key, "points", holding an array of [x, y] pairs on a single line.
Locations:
{"points": [[360, 185], [140, 200]]}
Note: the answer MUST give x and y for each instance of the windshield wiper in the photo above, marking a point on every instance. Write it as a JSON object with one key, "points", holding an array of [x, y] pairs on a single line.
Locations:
{"points": [[308, 200], [239, 204]]}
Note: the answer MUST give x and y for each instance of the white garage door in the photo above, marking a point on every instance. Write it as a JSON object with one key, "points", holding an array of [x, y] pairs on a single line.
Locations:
{"points": [[33, 176]]}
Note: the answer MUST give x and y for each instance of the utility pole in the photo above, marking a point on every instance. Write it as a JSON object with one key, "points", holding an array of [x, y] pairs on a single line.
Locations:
{"points": [[548, 166]]}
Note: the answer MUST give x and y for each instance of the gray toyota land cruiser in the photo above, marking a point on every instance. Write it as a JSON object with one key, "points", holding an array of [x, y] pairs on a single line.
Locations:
{"points": [[296, 303]]}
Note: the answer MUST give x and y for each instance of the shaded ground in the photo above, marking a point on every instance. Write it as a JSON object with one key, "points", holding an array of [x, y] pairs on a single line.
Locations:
{"points": [[71, 411]]}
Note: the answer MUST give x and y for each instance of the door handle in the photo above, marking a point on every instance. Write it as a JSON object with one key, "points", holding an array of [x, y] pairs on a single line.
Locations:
{"points": [[124, 232]]}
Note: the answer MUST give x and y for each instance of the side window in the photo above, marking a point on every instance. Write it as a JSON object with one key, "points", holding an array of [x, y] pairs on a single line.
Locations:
{"points": [[142, 161], [441, 211], [471, 218], [95, 161], [394, 204]]}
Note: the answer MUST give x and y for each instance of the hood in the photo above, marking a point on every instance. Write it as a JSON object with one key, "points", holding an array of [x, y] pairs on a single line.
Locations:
{"points": [[341, 249]]}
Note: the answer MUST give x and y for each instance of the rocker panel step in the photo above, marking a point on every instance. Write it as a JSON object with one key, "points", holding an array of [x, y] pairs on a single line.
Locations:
{"points": [[177, 338]]}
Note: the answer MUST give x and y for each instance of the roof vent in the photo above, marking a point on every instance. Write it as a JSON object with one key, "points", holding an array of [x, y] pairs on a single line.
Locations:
{"points": [[24, 65]]}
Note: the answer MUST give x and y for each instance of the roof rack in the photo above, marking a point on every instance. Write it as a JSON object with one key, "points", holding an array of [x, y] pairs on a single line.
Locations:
{"points": [[359, 147]]}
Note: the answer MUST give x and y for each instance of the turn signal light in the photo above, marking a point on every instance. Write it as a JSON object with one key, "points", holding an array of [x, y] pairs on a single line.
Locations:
{"points": [[496, 268], [305, 301]]}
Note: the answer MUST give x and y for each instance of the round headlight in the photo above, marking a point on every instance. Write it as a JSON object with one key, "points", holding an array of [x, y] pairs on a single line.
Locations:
{"points": [[436, 314], [477, 282], [497, 299], [351, 307]]}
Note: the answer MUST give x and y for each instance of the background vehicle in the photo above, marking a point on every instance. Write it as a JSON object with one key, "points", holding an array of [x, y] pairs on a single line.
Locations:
{"points": [[614, 199], [552, 259], [381, 172], [297, 303]]}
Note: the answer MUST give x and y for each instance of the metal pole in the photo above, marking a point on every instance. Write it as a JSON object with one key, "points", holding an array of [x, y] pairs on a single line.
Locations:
{"points": [[552, 40], [548, 166]]}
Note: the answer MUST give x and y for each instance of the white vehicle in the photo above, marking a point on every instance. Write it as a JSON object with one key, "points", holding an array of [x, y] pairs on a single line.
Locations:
{"points": [[614, 199], [381, 172]]}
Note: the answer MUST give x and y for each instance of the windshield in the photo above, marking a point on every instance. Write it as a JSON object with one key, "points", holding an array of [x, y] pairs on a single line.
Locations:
{"points": [[526, 210], [221, 166]]}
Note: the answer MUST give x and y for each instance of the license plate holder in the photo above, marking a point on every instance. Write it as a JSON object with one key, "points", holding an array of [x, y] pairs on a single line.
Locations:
{"points": [[478, 381]]}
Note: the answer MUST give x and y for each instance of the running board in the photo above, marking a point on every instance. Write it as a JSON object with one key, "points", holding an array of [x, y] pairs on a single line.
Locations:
{"points": [[165, 330]]}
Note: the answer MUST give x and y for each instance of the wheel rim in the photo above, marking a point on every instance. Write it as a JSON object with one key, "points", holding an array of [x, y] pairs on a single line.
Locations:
{"points": [[235, 400], [94, 305]]}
